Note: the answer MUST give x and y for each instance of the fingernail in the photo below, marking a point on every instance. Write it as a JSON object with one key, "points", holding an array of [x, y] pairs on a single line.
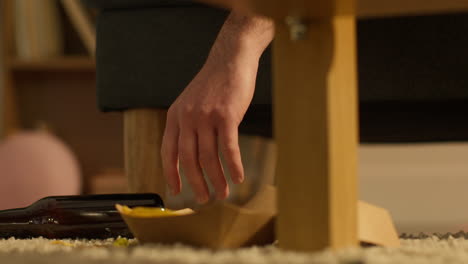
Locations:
{"points": [[202, 199], [221, 195], [238, 180]]}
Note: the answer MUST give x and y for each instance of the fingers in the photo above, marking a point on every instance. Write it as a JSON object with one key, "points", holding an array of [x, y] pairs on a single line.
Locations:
{"points": [[229, 142], [210, 162], [169, 154], [194, 146], [188, 155]]}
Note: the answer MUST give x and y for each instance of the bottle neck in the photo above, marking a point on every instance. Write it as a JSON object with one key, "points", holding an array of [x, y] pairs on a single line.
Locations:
{"points": [[90, 202], [97, 208], [15, 216]]}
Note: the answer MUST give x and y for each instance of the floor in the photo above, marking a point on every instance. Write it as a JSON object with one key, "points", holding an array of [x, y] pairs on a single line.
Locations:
{"points": [[431, 250]]}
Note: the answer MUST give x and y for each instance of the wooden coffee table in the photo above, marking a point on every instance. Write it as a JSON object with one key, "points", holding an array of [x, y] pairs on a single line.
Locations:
{"points": [[315, 110]]}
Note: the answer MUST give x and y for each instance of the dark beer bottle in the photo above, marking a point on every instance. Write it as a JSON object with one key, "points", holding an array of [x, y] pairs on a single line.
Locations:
{"points": [[78, 216]]}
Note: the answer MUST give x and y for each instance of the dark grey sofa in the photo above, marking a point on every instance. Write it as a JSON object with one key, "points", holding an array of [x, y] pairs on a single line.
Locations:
{"points": [[413, 71]]}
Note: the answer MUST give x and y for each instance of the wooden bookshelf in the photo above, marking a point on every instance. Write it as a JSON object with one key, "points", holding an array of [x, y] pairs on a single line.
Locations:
{"points": [[61, 93], [69, 63]]}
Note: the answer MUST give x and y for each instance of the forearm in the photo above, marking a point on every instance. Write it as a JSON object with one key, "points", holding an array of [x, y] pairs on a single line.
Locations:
{"points": [[243, 37]]}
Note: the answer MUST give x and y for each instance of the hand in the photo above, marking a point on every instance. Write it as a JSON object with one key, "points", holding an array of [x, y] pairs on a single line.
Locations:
{"points": [[205, 117]]}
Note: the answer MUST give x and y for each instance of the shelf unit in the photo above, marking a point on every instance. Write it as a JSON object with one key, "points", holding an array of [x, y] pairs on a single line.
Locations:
{"points": [[59, 92], [69, 63]]}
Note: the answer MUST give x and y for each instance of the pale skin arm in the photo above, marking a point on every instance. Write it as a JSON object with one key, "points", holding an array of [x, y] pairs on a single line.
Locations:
{"points": [[207, 113]]}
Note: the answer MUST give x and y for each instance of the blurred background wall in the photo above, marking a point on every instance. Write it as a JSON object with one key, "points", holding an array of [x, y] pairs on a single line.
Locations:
{"points": [[1, 75], [422, 185], [48, 83]]}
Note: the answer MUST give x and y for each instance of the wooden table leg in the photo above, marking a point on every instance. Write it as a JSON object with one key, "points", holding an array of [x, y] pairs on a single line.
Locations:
{"points": [[143, 131], [315, 111]]}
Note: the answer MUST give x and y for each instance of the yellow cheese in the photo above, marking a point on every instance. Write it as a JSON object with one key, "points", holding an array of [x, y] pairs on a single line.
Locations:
{"points": [[150, 212]]}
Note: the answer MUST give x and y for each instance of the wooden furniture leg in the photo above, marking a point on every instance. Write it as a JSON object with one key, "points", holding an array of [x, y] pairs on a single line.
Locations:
{"points": [[143, 131], [315, 100]]}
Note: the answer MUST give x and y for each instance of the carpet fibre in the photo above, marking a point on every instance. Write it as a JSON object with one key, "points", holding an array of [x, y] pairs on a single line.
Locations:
{"points": [[427, 249]]}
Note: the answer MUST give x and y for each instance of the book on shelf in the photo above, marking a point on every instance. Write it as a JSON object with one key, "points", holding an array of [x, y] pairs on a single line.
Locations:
{"points": [[38, 31]]}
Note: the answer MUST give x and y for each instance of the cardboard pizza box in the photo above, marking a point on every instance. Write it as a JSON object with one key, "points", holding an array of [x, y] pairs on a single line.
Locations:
{"points": [[224, 225]]}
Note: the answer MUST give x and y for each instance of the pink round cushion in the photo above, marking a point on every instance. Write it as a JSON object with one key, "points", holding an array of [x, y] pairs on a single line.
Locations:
{"points": [[34, 165]]}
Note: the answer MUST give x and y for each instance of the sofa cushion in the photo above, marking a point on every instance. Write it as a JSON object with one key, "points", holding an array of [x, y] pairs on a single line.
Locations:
{"points": [[146, 57]]}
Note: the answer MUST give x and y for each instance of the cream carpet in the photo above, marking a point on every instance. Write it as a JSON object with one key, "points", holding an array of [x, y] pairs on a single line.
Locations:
{"points": [[432, 250]]}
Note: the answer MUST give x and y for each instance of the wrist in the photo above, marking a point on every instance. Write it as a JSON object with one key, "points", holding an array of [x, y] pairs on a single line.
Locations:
{"points": [[242, 39], [253, 33], [233, 55]]}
